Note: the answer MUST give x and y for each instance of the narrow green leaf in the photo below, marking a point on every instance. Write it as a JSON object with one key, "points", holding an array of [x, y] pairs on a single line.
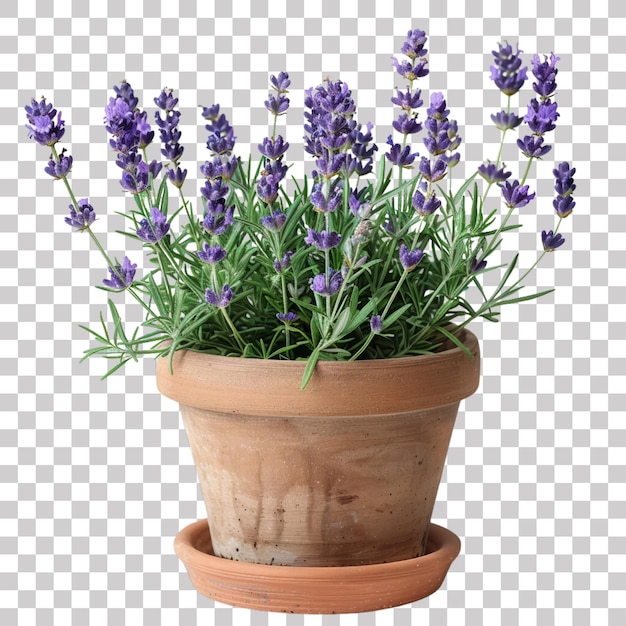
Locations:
{"points": [[310, 367], [456, 341], [532, 296]]}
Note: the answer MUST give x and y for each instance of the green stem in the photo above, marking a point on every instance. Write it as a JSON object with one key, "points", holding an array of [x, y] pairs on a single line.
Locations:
{"points": [[190, 218], [530, 160], [150, 189], [534, 265], [236, 335]]}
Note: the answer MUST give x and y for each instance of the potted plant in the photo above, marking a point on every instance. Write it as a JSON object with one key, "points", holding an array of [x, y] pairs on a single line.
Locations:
{"points": [[317, 340]]}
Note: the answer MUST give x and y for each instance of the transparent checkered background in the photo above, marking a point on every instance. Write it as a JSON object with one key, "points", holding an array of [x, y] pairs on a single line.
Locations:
{"points": [[97, 476]]}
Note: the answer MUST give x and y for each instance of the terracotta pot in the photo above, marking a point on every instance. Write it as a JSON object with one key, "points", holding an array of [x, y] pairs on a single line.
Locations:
{"points": [[343, 473]]}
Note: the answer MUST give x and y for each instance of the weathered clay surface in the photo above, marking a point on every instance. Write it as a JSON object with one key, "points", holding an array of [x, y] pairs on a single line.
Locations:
{"points": [[343, 473]]}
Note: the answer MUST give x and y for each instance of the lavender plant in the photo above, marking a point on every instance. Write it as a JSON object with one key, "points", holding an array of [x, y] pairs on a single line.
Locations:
{"points": [[353, 264]]}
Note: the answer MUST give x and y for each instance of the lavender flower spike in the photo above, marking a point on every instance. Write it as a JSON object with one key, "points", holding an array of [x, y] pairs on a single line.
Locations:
{"points": [[410, 258], [287, 318], [507, 72], [43, 129], [221, 301], [516, 196], [322, 240], [153, 229], [564, 179], [327, 285], [59, 169], [281, 82], [551, 241], [376, 324], [492, 174], [123, 275], [275, 221], [564, 185], [82, 217], [211, 254]]}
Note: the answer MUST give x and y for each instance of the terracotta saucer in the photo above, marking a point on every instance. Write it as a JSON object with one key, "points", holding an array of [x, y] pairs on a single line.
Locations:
{"points": [[352, 589]]}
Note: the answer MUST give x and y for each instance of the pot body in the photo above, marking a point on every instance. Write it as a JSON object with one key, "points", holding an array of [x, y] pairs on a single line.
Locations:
{"points": [[345, 472]]}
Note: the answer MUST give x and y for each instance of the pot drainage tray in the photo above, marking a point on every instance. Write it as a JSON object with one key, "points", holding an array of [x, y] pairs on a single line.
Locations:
{"points": [[289, 589]]}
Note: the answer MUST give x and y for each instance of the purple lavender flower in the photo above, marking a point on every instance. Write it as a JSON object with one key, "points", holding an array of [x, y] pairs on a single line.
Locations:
{"points": [[506, 121], [42, 126], [211, 113], [442, 138], [407, 100], [214, 190], [411, 71], [358, 208], [321, 203], [551, 241], [128, 125], [432, 172], [166, 100], [176, 176], [123, 275], [406, 125], [287, 318], [322, 240], [217, 218], [211, 254], [545, 72], [516, 196], [118, 116], [282, 264], [326, 285], [541, 117], [82, 217], [402, 157], [61, 168], [376, 324], [155, 167], [334, 142], [329, 165], [221, 301], [168, 125], [275, 221], [425, 205], [492, 174], [331, 130], [564, 176], [281, 82], [563, 205], [221, 138], [273, 148], [359, 141], [154, 229], [335, 98], [507, 72], [125, 92], [138, 180], [229, 167], [532, 146], [267, 189], [410, 258], [277, 105], [144, 132], [477, 266]]}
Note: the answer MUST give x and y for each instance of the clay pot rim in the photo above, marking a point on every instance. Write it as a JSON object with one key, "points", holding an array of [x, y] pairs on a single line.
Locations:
{"points": [[333, 589], [273, 387]]}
